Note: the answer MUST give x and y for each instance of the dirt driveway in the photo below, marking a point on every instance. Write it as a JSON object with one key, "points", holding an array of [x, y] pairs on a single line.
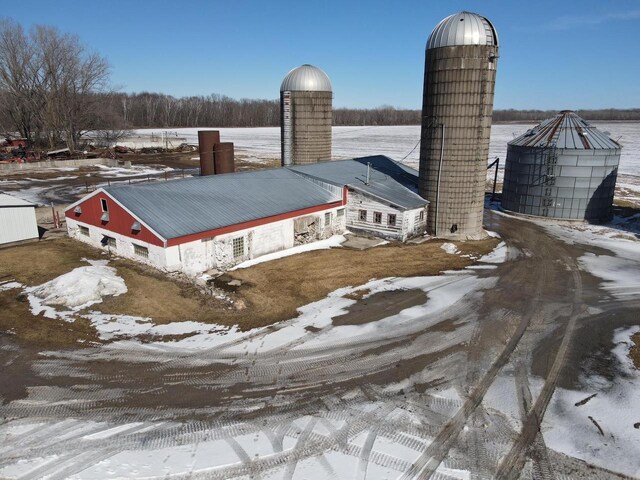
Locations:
{"points": [[459, 380]]}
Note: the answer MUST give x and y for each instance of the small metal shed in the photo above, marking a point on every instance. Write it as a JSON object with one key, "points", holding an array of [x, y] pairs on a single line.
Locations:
{"points": [[17, 219]]}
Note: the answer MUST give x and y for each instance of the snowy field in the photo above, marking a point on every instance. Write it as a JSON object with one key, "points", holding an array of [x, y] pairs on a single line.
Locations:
{"points": [[401, 143], [263, 144], [397, 142]]}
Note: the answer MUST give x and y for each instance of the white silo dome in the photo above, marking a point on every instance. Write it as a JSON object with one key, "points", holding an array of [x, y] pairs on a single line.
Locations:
{"points": [[306, 78], [464, 28]]}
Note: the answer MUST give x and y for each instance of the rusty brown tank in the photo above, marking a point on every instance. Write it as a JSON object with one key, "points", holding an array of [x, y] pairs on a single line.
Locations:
{"points": [[224, 158], [206, 142]]}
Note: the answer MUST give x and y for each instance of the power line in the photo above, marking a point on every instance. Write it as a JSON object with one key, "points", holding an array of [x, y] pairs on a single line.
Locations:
{"points": [[416, 146]]}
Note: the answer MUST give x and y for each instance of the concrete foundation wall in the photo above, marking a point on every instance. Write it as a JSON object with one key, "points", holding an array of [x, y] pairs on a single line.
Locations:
{"points": [[458, 93], [306, 127], [124, 245], [78, 162]]}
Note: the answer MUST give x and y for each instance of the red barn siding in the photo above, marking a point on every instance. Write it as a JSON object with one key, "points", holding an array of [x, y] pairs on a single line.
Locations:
{"points": [[120, 220], [250, 224]]}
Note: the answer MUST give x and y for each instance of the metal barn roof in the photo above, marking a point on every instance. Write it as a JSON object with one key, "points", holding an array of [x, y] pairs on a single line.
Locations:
{"points": [[10, 201], [388, 180], [464, 28], [566, 131], [182, 207], [306, 78]]}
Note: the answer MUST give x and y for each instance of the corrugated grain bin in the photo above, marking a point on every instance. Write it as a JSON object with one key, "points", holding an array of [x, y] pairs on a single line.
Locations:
{"points": [[206, 141], [224, 157], [459, 80], [564, 168]]}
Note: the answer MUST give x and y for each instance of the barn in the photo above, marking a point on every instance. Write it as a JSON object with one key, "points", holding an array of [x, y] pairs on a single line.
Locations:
{"points": [[196, 224], [17, 219], [380, 193]]}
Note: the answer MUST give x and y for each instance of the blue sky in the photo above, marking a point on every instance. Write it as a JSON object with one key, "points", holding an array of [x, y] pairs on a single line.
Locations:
{"points": [[553, 54]]}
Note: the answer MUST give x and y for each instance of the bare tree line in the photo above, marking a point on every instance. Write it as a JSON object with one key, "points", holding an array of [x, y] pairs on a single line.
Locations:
{"points": [[155, 110], [534, 116], [50, 85]]}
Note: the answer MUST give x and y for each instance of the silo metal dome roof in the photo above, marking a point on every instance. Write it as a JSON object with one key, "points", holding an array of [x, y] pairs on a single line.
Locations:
{"points": [[464, 28], [306, 78], [568, 131]]}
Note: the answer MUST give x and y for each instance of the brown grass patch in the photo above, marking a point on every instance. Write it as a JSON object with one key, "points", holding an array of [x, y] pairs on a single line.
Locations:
{"points": [[272, 290], [358, 294], [635, 350]]}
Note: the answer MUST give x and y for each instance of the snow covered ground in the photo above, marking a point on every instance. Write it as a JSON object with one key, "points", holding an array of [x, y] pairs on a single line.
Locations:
{"points": [[65, 189], [107, 456], [370, 431], [400, 143], [597, 422], [397, 142]]}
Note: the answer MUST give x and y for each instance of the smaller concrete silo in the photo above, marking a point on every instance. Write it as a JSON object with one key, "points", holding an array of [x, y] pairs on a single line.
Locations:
{"points": [[563, 168], [306, 116]]}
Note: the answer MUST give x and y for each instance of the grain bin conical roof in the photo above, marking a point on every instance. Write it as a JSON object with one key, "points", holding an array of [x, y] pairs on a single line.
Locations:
{"points": [[568, 131]]}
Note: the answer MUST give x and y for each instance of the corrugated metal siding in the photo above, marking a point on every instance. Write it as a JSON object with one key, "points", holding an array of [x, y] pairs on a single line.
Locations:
{"points": [[575, 184], [184, 207], [17, 223]]}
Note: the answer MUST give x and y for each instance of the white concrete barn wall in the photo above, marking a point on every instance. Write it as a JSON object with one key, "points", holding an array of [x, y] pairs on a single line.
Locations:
{"points": [[17, 223], [215, 252], [415, 226], [407, 225], [124, 245]]}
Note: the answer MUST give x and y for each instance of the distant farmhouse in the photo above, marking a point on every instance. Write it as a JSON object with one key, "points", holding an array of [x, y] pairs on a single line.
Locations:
{"points": [[196, 224]]}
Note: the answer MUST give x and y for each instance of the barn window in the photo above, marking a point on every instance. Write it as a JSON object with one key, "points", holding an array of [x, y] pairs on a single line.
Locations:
{"points": [[84, 231], [327, 219], [340, 213], [141, 251], [391, 219], [103, 204], [421, 215], [238, 247], [362, 215], [377, 217], [108, 241]]}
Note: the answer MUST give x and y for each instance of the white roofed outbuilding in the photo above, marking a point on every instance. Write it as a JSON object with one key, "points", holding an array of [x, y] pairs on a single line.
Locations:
{"points": [[17, 220]]}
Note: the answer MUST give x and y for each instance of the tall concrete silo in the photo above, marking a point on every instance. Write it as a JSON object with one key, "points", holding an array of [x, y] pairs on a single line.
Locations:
{"points": [[459, 80], [306, 115], [563, 168]]}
